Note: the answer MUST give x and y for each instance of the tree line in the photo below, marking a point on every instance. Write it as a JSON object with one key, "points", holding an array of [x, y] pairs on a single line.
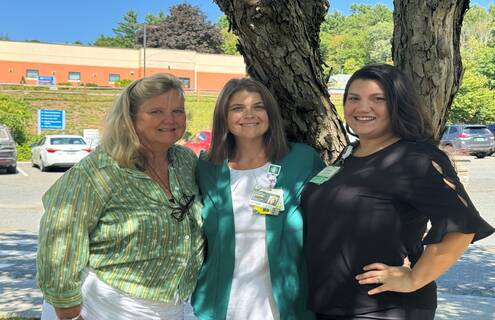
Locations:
{"points": [[347, 42]]}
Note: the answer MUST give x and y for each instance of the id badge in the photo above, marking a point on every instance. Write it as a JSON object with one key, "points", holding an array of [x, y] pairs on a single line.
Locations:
{"points": [[267, 201], [325, 174]]}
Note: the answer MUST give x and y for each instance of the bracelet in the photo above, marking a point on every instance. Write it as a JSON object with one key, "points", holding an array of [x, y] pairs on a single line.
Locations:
{"points": [[75, 318]]}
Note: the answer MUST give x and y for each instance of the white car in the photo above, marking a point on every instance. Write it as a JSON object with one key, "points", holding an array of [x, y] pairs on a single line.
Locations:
{"points": [[59, 151]]}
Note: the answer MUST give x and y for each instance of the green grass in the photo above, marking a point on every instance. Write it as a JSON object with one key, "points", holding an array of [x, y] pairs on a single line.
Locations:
{"points": [[88, 111]]}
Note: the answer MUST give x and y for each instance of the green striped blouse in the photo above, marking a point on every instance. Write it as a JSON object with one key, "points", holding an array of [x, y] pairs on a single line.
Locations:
{"points": [[118, 222]]}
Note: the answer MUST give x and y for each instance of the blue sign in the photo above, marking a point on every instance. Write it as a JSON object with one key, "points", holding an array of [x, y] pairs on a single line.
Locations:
{"points": [[51, 119], [46, 80]]}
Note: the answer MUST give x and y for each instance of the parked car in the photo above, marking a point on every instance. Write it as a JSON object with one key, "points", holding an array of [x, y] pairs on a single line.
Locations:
{"points": [[58, 151], [473, 139], [201, 141], [8, 153], [491, 127]]}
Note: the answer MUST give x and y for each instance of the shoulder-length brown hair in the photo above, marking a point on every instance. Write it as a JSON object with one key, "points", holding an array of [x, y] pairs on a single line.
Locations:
{"points": [[409, 119], [223, 143]]}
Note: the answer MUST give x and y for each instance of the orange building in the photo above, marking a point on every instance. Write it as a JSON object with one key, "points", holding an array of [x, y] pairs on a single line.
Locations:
{"points": [[79, 64]]}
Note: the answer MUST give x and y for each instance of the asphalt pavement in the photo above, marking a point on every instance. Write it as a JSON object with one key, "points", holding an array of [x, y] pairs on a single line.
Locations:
{"points": [[466, 291]]}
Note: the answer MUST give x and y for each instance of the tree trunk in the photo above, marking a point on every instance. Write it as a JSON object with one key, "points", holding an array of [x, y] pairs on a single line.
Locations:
{"points": [[426, 47], [279, 40]]}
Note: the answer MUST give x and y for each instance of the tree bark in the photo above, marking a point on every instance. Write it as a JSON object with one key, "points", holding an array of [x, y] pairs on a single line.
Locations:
{"points": [[279, 40], [426, 47]]}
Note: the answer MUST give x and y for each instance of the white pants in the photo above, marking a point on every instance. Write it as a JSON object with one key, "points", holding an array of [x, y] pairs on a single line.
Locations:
{"points": [[102, 302]]}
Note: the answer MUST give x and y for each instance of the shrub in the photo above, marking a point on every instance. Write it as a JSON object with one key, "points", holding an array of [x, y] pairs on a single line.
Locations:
{"points": [[23, 152], [91, 85], [123, 83], [15, 114]]}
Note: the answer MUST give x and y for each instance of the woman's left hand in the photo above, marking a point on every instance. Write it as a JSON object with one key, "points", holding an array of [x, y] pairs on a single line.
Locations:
{"points": [[398, 279]]}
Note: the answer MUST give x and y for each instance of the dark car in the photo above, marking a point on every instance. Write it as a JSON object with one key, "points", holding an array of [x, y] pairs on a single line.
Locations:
{"points": [[201, 141], [8, 153], [473, 139]]}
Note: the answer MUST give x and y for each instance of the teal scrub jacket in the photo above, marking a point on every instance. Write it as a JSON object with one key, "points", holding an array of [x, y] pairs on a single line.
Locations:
{"points": [[284, 237]]}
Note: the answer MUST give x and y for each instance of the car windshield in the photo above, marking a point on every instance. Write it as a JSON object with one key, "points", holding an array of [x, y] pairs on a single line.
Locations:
{"points": [[476, 130], [66, 140], [4, 134]]}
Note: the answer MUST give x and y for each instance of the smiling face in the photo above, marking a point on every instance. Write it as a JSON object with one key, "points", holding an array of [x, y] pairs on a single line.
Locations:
{"points": [[247, 118], [365, 110], [161, 120]]}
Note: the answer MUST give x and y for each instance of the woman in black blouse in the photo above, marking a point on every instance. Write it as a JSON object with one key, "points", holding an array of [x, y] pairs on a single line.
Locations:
{"points": [[369, 213]]}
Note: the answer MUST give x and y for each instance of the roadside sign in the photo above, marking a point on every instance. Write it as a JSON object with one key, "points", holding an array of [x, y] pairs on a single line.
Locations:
{"points": [[46, 81], [51, 119]]}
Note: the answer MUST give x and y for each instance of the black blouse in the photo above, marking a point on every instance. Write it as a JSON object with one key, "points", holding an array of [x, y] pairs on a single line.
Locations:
{"points": [[376, 209]]}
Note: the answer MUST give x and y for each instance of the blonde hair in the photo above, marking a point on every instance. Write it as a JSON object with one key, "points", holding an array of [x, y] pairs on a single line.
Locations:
{"points": [[120, 139]]}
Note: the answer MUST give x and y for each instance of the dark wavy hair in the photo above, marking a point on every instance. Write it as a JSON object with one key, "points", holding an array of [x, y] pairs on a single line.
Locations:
{"points": [[409, 119], [223, 143]]}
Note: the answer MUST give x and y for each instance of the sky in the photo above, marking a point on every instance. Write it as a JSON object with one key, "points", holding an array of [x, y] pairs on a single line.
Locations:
{"points": [[66, 21]]}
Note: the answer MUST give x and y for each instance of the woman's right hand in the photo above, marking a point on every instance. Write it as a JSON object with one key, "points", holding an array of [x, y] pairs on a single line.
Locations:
{"points": [[69, 313]]}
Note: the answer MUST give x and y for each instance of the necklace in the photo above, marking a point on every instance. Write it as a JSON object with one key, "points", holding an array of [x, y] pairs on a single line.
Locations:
{"points": [[163, 182]]}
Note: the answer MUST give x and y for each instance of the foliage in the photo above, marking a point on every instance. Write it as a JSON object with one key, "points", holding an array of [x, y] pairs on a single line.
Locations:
{"points": [[474, 102], [229, 44], [15, 114], [349, 42], [23, 152], [122, 83], [152, 19], [125, 33], [186, 28]]}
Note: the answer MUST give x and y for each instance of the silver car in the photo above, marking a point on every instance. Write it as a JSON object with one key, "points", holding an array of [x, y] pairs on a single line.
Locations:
{"points": [[8, 153], [473, 139]]}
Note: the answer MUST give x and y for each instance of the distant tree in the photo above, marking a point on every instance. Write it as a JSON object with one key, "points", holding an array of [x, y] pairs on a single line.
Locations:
{"points": [[125, 33], [186, 28], [104, 41], [478, 25], [364, 36], [230, 40], [77, 42], [126, 30], [154, 20], [4, 37], [474, 102]]}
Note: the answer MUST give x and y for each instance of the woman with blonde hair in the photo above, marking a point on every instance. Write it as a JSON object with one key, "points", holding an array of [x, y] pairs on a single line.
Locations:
{"points": [[121, 234]]}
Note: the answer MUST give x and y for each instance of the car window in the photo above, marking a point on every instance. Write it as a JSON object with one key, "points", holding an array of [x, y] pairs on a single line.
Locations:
{"points": [[202, 136], [453, 130], [476, 130], [65, 140]]}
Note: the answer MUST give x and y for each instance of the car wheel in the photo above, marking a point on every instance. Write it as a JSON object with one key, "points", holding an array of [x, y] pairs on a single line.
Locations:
{"points": [[42, 166], [480, 155], [12, 169]]}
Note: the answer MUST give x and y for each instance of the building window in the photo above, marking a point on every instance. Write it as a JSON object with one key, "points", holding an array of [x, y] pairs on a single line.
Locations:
{"points": [[113, 77], [32, 74], [74, 76], [186, 82]]}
